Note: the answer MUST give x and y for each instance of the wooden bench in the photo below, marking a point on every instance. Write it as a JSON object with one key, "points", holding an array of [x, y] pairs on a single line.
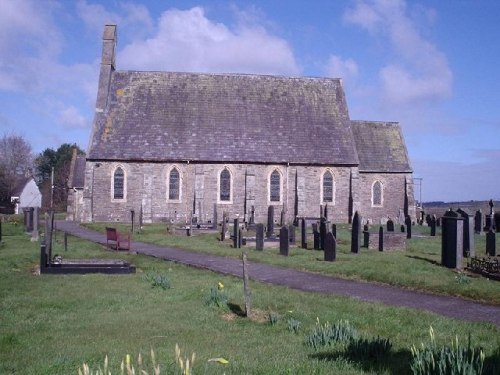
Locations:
{"points": [[116, 240]]}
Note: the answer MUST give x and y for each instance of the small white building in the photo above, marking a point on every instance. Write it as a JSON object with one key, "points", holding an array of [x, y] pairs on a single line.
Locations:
{"points": [[26, 194]]}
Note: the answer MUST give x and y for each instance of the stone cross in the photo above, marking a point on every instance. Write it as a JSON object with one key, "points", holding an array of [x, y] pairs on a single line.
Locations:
{"points": [[356, 233], [330, 248], [284, 241], [259, 237]]}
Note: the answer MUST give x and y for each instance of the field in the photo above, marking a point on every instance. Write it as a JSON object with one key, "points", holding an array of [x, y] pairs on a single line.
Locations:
{"points": [[52, 324]]}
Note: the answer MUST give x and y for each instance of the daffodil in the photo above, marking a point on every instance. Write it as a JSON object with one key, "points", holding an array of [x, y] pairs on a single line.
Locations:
{"points": [[220, 285]]}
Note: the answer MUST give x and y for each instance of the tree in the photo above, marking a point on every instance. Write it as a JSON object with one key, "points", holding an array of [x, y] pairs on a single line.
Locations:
{"points": [[60, 160], [16, 160]]}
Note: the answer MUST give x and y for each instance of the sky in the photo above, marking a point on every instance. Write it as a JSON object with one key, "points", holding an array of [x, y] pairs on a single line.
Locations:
{"points": [[431, 65]]}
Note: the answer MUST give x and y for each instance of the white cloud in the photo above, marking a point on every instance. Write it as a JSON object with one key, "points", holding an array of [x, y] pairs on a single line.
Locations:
{"points": [[338, 68], [71, 117], [189, 41], [420, 71]]}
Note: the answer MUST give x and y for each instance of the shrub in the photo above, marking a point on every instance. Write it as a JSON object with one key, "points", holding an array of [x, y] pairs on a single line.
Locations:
{"points": [[431, 359]]}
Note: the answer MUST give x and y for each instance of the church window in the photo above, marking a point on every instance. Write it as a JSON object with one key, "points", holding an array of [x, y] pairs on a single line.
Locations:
{"points": [[275, 187], [327, 187], [225, 186], [174, 184], [119, 184], [377, 193]]}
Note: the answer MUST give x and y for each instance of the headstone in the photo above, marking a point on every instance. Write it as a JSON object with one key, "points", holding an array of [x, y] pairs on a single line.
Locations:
{"points": [[452, 240], [381, 239], [291, 233], [408, 227], [433, 225], [403, 229], [490, 219], [270, 222], [496, 219], [322, 233], [478, 221], [325, 213], [34, 233], [214, 217], [366, 236], [422, 215], [284, 241], [303, 234], [356, 233], [438, 222], [316, 236], [223, 228], [252, 216], [390, 225], [428, 219], [30, 220], [330, 247], [236, 233], [491, 244], [282, 218], [259, 237], [241, 240], [334, 231], [468, 242]]}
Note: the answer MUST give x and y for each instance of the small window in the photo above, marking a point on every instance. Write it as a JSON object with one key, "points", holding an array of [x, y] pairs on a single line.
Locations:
{"points": [[173, 184], [118, 183], [275, 187], [225, 186], [377, 193], [327, 187]]}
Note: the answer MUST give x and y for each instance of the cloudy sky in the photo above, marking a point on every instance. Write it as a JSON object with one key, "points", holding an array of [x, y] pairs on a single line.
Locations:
{"points": [[433, 66]]}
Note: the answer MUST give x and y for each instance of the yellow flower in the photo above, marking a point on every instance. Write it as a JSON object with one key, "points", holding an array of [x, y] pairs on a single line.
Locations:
{"points": [[219, 360], [220, 285]]}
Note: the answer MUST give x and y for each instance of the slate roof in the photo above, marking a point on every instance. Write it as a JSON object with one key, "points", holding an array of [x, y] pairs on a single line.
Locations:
{"points": [[380, 146], [163, 116]]}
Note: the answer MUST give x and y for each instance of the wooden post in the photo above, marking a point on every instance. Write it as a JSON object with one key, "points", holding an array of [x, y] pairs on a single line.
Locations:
{"points": [[246, 286]]}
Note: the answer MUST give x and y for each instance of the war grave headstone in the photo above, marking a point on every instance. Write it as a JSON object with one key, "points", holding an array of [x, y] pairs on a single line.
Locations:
{"points": [[291, 233], [316, 236], [433, 225], [478, 221], [491, 244], [408, 227], [468, 232], [259, 237], [390, 225], [356, 233], [284, 241], [303, 234], [452, 240], [330, 247], [270, 222]]}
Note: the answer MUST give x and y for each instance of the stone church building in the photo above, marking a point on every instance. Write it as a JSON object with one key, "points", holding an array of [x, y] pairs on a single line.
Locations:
{"points": [[176, 146]]}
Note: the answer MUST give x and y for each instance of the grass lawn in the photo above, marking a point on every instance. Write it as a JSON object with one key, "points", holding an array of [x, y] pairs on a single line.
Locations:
{"points": [[416, 268], [51, 324]]}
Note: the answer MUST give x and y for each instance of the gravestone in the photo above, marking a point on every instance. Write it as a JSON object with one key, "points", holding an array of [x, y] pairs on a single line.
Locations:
{"points": [[438, 222], [452, 240], [428, 219], [132, 215], [291, 233], [282, 218], [478, 221], [490, 219], [214, 218], [491, 244], [468, 243], [252, 216], [356, 233], [270, 222], [422, 215], [390, 225], [496, 219], [241, 240], [402, 229], [284, 241], [259, 237], [433, 225], [322, 233], [325, 214], [223, 228], [408, 227], [303, 234], [330, 248], [34, 233], [381, 239], [366, 236], [236, 233], [334, 231], [316, 236]]}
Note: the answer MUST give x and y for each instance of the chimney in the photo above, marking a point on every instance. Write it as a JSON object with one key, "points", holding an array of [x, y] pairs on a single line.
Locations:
{"points": [[107, 66]]}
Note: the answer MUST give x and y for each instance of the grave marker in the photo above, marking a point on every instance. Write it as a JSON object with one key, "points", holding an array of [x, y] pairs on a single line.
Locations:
{"points": [[356, 233], [366, 236], [214, 218], [381, 239], [408, 227], [303, 234], [491, 244], [334, 230], [478, 221], [390, 225], [330, 248], [468, 242], [284, 241], [259, 237], [316, 236], [452, 240], [433, 225], [270, 222], [322, 233], [291, 233], [236, 233]]}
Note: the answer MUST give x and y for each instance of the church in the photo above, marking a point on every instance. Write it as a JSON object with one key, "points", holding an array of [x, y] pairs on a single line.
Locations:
{"points": [[181, 147]]}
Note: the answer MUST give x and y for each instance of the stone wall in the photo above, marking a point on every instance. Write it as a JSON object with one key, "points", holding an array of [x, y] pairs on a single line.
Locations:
{"points": [[146, 187]]}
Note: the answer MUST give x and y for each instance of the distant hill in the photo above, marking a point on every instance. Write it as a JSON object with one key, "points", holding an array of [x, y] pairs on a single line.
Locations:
{"points": [[439, 208]]}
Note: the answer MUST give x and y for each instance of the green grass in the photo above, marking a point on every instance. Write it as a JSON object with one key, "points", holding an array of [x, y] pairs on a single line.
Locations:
{"points": [[416, 268], [51, 324]]}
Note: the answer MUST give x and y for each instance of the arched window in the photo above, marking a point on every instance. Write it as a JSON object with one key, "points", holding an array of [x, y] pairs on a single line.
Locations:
{"points": [[327, 187], [377, 193], [275, 187], [174, 184], [225, 186], [119, 184]]}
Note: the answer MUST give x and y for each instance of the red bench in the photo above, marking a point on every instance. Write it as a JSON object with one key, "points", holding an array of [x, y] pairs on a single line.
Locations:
{"points": [[117, 240]]}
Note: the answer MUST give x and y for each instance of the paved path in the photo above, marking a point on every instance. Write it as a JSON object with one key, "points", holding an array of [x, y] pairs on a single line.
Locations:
{"points": [[444, 305]]}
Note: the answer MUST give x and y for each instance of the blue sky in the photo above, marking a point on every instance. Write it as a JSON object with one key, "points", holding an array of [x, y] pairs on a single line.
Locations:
{"points": [[433, 66]]}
